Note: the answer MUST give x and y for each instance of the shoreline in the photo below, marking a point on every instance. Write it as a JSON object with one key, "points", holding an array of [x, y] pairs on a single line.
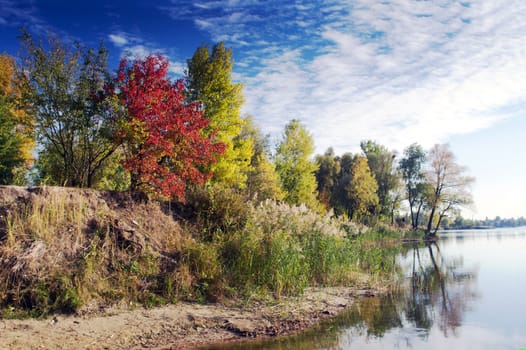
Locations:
{"points": [[182, 325]]}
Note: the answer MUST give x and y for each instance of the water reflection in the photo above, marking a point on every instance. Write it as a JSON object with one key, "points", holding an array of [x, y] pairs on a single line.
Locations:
{"points": [[442, 302], [438, 286]]}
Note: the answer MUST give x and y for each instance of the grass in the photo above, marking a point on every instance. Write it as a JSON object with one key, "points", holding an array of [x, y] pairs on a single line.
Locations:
{"points": [[65, 248]]}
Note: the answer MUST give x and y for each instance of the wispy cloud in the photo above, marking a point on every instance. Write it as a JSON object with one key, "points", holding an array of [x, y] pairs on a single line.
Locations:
{"points": [[18, 13], [118, 39], [135, 47], [397, 72]]}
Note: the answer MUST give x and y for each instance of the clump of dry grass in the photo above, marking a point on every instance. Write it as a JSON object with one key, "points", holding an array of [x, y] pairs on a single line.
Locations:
{"points": [[61, 248]]}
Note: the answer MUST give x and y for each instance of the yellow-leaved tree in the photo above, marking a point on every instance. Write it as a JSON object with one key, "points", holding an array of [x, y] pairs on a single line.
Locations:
{"points": [[209, 82], [16, 121]]}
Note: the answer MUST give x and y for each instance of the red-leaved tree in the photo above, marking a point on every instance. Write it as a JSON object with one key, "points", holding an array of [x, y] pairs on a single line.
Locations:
{"points": [[161, 133]]}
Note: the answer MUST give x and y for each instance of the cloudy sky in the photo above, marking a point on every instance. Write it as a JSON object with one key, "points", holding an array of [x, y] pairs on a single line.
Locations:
{"points": [[397, 72]]}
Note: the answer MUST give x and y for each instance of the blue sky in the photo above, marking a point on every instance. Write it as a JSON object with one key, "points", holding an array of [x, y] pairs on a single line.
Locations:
{"points": [[396, 72]]}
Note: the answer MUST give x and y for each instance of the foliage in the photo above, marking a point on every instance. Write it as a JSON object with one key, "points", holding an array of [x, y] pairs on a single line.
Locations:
{"points": [[327, 176], [360, 190], [449, 185], [293, 164], [11, 93], [209, 82], [382, 164], [217, 211], [64, 87], [11, 144], [411, 168], [262, 180], [161, 133]]}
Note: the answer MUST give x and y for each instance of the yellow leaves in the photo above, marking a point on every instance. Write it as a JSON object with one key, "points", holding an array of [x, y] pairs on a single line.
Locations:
{"points": [[11, 89], [7, 73]]}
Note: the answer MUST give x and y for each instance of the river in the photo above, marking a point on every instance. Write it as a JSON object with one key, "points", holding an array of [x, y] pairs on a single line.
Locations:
{"points": [[467, 291]]}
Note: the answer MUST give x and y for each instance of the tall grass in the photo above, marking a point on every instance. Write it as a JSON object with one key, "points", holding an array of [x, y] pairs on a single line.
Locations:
{"points": [[64, 248], [284, 249]]}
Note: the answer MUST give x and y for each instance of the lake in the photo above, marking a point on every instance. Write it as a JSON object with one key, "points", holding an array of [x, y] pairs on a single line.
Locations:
{"points": [[467, 291]]}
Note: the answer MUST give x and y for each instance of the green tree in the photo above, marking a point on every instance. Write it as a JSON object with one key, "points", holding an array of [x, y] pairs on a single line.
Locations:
{"points": [[11, 143], [411, 168], [327, 175], [361, 190], [450, 187], [382, 164], [262, 180], [209, 81], [73, 120], [339, 198], [294, 166]]}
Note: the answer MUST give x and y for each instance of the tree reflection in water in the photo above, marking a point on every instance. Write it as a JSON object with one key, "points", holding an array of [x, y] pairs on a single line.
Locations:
{"points": [[435, 293]]}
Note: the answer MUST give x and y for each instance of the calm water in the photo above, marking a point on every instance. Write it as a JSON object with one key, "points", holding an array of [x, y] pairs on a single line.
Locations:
{"points": [[466, 292]]}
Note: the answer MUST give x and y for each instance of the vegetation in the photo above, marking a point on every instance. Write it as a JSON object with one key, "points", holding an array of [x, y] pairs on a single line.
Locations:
{"points": [[293, 164], [161, 134], [63, 89], [209, 82], [64, 248], [202, 208], [16, 134], [449, 186]]}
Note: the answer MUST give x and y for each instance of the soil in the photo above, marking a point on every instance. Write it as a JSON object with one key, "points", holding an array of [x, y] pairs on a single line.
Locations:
{"points": [[180, 326]]}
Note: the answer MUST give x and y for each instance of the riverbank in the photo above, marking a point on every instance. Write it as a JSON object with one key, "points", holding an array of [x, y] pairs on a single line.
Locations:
{"points": [[180, 326], [213, 270]]}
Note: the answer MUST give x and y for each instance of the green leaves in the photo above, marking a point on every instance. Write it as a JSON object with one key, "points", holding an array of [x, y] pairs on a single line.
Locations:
{"points": [[209, 82], [11, 144], [73, 119], [293, 164]]}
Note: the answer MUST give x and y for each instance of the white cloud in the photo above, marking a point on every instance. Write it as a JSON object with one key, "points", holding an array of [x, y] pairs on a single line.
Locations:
{"points": [[136, 48], [118, 39], [398, 72]]}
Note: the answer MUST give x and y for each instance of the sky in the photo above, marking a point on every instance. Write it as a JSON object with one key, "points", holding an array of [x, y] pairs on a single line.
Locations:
{"points": [[392, 71]]}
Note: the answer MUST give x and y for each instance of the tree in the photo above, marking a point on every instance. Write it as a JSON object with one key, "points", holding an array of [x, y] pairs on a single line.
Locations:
{"points": [[361, 190], [327, 175], [262, 180], [411, 168], [209, 82], [450, 185], [293, 164], [73, 118], [11, 143], [15, 113], [382, 164], [162, 134]]}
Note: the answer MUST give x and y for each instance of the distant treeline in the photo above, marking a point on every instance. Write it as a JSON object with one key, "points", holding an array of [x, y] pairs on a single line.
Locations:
{"points": [[463, 223]]}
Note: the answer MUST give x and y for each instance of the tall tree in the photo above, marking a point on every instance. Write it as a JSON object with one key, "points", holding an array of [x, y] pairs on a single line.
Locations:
{"points": [[327, 175], [209, 82], [262, 180], [73, 120], [382, 164], [294, 166], [361, 190], [162, 134], [411, 167], [11, 93], [450, 185]]}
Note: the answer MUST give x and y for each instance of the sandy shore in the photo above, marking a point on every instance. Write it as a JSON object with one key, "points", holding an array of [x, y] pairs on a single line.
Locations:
{"points": [[180, 326]]}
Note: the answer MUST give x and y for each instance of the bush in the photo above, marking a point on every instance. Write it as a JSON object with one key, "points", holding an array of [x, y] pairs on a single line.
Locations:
{"points": [[217, 211]]}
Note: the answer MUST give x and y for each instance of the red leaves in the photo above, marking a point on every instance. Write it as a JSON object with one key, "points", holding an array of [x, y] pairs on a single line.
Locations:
{"points": [[162, 133]]}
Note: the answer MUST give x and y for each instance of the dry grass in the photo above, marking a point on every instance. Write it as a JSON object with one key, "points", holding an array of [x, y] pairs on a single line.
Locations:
{"points": [[61, 248]]}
